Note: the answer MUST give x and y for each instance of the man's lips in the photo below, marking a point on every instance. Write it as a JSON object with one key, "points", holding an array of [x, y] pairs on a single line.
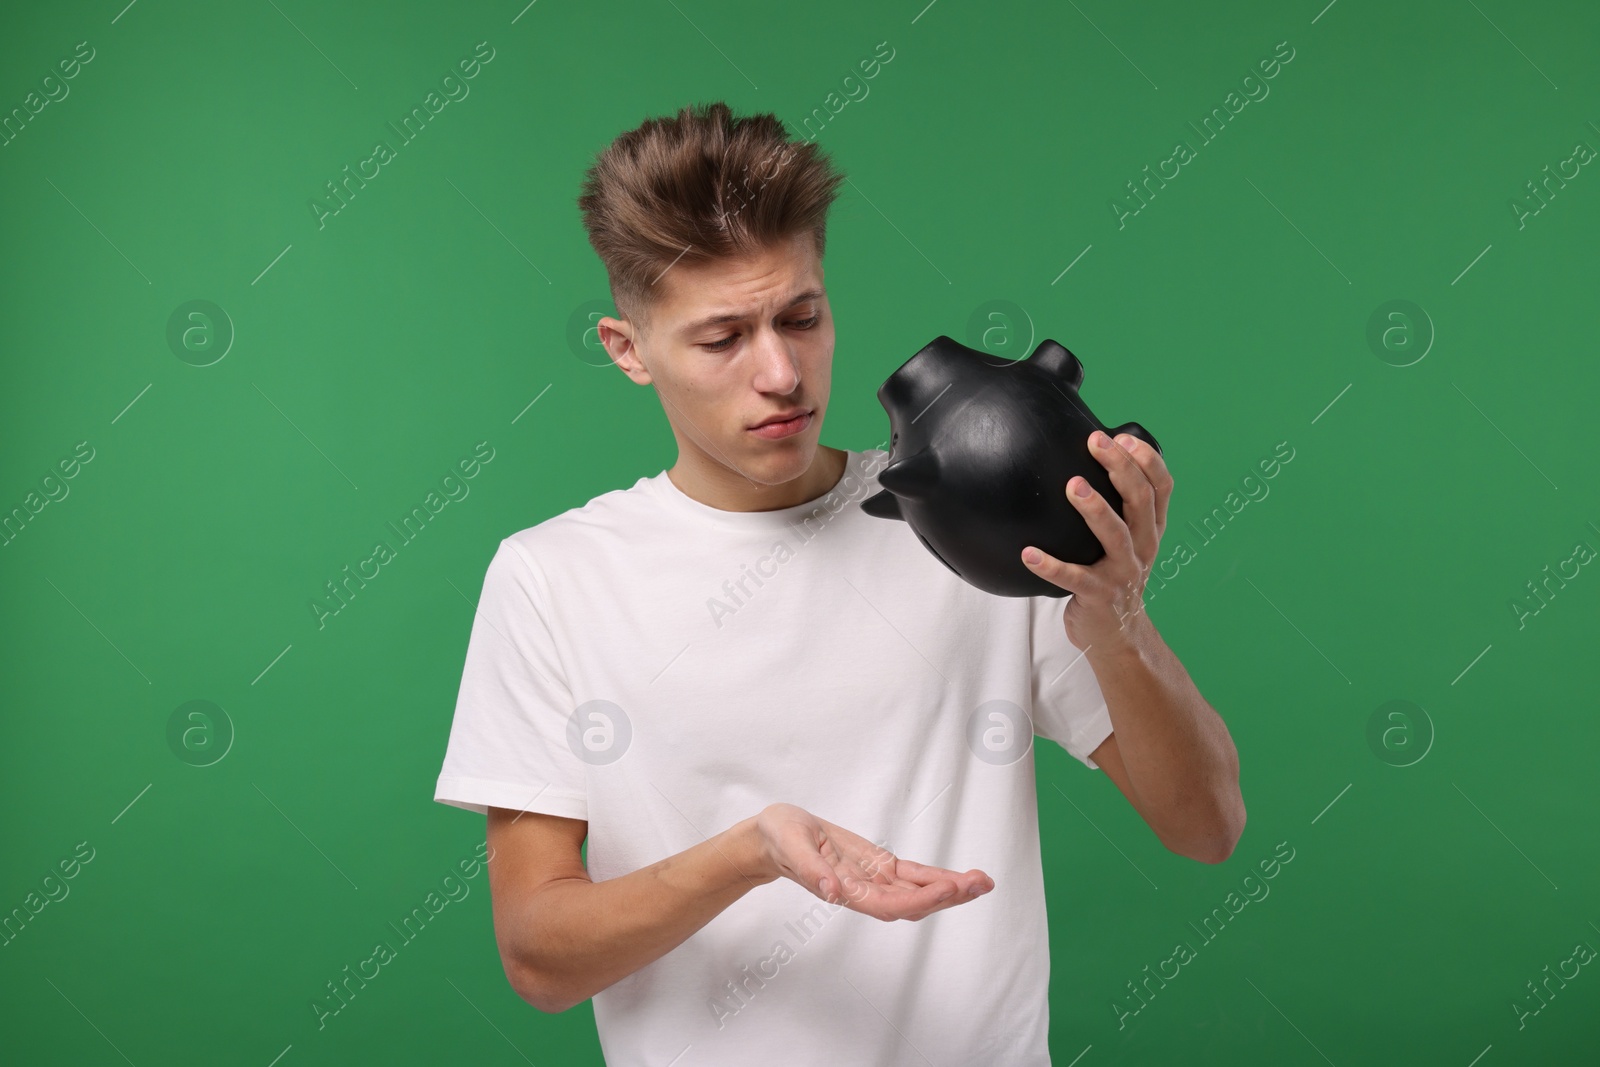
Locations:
{"points": [[782, 429], [782, 417]]}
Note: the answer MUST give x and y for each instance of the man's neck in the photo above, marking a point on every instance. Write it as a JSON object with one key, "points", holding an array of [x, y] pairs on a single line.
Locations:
{"points": [[719, 486]]}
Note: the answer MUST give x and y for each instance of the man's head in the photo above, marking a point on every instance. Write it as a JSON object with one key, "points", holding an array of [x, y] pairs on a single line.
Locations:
{"points": [[712, 231]]}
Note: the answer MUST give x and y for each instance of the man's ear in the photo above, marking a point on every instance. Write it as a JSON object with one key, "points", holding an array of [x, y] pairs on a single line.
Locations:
{"points": [[618, 337]]}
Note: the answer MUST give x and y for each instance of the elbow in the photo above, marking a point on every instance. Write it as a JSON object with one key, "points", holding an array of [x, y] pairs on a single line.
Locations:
{"points": [[536, 990], [1220, 836], [1224, 837], [545, 1000], [547, 1004], [1203, 850], [1213, 855]]}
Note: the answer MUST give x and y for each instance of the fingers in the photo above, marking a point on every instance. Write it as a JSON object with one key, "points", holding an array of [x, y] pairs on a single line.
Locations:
{"points": [[907, 899], [1073, 577], [1155, 469], [842, 867], [891, 902], [1136, 527], [839, 879], [973, 881], [970, 886], [926, 891]]}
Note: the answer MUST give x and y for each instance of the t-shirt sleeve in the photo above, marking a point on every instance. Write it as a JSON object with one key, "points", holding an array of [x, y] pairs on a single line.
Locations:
{"points": [[1068, 706], [508, 740]]}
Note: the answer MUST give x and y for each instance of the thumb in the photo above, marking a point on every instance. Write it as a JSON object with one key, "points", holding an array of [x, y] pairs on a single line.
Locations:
{"points": [[824, 878], [801, 861]]}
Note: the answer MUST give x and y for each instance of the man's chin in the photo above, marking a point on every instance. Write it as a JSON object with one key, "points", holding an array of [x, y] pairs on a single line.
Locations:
{"points": [[778, 462]]}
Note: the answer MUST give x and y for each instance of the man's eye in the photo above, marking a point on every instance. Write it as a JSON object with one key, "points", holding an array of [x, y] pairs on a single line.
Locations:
{"points": [[722, 345]]}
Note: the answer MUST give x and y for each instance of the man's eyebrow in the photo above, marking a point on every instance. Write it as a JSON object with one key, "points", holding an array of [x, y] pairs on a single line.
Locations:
{"points": [[734, 316]]}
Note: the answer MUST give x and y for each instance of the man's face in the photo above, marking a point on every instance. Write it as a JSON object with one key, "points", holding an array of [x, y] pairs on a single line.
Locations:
{"points": [[732, 344]]}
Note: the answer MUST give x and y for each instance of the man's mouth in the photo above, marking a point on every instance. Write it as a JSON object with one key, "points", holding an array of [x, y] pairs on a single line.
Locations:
{"points": [[784, 424]]}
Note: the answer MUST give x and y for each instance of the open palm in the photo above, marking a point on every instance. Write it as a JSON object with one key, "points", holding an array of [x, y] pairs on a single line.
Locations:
{"points": [[844, 867]]}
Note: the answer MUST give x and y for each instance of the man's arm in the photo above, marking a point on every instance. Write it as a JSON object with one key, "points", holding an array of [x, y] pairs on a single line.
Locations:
{"points": [[563, 937], [1175, 760], [1182, 770]]}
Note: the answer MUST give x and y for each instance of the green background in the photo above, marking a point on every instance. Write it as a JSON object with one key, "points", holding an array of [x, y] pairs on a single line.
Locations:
{"points": [[445, 305]]}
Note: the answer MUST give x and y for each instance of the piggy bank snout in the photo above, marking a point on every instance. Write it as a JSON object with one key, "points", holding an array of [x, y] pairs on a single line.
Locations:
{"points": [[1133, 429]]}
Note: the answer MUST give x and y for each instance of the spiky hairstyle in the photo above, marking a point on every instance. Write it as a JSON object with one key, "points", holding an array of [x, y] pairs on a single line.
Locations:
{"points": [[696, 187]]}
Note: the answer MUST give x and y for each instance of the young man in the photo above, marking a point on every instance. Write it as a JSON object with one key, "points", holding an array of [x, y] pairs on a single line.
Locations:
{"points": [[755, 701]]}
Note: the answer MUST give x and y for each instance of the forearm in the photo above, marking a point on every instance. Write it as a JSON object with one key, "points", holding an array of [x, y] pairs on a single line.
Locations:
{"points": [[573, 938], [1179, 756]]}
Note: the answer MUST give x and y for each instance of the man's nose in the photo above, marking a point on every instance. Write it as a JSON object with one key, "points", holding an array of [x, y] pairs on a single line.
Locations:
{"points": [[779, 370]]}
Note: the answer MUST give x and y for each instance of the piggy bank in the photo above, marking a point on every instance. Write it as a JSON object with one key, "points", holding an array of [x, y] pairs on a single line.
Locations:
{"points": [[980, 453]]}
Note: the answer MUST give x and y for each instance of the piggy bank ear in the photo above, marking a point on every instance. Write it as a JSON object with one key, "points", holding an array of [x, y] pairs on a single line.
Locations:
{"points": [[916, 476], [882, 505], [1053, 358]]}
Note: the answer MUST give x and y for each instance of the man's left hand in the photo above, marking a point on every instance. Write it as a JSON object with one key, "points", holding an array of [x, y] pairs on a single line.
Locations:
{"points": [[1108, 597]]}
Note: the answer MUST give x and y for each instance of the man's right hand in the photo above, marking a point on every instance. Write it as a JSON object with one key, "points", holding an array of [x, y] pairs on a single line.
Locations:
{"points": [[842, 867]]}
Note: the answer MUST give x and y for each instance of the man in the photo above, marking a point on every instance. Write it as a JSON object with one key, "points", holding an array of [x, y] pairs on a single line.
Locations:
{"points": [[755, 701]]}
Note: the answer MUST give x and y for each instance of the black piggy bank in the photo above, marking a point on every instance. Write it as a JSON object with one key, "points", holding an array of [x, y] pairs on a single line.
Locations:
{"points": [[981, 450]]}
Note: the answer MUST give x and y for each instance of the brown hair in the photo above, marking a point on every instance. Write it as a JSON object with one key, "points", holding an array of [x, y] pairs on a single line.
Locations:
{"points": [[697, 187]]}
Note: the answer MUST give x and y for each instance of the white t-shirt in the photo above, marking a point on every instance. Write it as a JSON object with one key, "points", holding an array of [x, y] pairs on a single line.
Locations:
{"points": [[665, 669]]}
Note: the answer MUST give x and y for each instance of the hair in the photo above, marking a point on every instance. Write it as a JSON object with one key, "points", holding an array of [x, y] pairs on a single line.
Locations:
{"points": [[698, 187]]}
